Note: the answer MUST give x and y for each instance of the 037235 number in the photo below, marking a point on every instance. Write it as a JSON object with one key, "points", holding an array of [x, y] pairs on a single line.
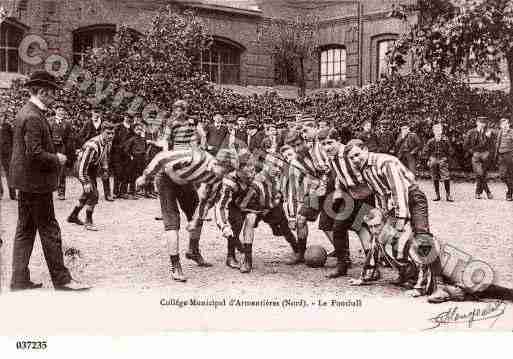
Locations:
{"points": [[31, 345]]}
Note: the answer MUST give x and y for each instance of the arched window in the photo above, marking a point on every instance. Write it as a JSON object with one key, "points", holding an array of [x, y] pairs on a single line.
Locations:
{"points": [[383, 65], [221, 63], [332, 66], [11, 36], [91, 37]]}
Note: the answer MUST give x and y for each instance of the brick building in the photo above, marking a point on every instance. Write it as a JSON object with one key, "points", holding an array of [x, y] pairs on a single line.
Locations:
{"points": [[354, 38]]}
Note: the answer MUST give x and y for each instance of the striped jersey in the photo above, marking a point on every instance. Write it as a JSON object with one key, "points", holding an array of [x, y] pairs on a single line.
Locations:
{"points": [[192, 166], [319, 155], [93, 155], [258, 195], [346, 174], [182, 133], [304, 179], [233, 192], [390, 180]]}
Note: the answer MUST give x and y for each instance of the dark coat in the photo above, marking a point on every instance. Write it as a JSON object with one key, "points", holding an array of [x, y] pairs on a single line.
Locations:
{"points": [[87, 132], [121, 137], [6, 140], [216, 137], [256, 142], [370, 139], [34, 165], [65, 143]]}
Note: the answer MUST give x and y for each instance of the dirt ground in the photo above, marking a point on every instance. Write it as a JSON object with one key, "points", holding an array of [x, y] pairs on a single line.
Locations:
{"points": [[128, 252]]}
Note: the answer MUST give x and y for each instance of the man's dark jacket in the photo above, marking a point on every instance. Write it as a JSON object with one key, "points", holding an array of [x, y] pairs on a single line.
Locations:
{"points": [[87, 132], [6, 135], [34, 165]]}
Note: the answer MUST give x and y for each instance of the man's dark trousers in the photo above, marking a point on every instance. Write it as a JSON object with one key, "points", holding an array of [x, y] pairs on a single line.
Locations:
{"points": [[506, 170], [36, 213], [61, 184]]}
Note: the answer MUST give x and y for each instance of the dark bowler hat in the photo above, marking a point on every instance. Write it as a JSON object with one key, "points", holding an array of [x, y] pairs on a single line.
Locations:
{"points": [[43, 79]]}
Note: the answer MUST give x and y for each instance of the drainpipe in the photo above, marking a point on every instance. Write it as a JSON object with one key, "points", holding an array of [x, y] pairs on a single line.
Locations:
{"points": [[360, 42]]}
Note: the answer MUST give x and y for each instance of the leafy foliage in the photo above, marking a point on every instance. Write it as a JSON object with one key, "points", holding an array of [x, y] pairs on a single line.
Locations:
{"points": [[291, 44], [460, 36]]}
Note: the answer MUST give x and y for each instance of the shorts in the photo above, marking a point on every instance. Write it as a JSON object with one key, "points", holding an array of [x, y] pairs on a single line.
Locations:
{"points": [[171, 195], [275, 218], [317, 210], [91, 198], [439, 168], [352, 218]]}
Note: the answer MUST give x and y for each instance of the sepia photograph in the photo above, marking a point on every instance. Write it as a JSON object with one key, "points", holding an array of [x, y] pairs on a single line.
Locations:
{"points": [[241, 165]]}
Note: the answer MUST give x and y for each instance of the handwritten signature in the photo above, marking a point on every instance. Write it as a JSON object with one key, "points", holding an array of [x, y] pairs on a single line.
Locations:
{"points": [[491, 312]]}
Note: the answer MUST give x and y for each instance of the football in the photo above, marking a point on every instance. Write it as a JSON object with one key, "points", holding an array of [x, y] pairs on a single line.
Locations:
{"points": [[315, 256]]}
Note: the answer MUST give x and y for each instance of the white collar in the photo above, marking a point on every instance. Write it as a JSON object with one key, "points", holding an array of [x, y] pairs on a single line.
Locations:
{"points": [[126, 126], [36, 101], [97, 123]]}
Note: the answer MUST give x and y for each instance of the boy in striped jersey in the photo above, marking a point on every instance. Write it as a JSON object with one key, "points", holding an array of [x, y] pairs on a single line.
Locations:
{"points": [[181, 131], [400, 198], [179, 172], [352, 199], [92, 158], [248, 198], [306, 191]]}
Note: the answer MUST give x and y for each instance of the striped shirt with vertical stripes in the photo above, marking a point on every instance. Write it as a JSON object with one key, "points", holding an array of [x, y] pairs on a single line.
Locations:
{"points": [[319, 155], [182, 134], [303, 180], [346, 174], [390, 180], [234, 191], [93, 155]]}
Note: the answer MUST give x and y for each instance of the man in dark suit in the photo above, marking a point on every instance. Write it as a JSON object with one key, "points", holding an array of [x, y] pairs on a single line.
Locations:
{"points": [[119, 159], [216, 135], [6, 133], [62, 141], [34, 169], [241, 133], [92, 128], [407, 148], [254, 137]]}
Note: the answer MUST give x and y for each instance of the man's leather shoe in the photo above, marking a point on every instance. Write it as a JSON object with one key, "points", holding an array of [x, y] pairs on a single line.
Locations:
{"points": [[198, 258], [26, 286], [436, 199], [177, 273], [61, 197], [478, 196], [509, 197], [339, 271], [450, 198], [489, 195], [73, 285], [75, 220], [109, 198], [446, 293]]}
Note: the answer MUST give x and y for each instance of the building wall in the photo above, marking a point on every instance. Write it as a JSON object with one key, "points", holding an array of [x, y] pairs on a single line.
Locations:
{"points": [[55, 21]]}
